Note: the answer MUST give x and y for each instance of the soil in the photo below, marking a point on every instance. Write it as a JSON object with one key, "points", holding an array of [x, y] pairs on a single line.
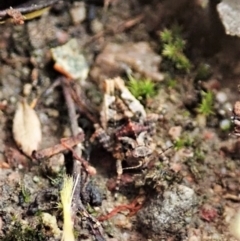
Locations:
{"points": [[192, 193]]}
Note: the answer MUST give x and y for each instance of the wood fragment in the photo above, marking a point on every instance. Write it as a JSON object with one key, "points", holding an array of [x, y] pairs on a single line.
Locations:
{"points": [[48, 152]]}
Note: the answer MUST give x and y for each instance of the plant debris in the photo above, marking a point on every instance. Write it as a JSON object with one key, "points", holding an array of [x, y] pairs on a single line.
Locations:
{"points": [[26, 128], [133, 125]]}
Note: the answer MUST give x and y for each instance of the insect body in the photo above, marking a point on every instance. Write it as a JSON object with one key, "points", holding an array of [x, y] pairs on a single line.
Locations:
{"points": [[125, 129]]}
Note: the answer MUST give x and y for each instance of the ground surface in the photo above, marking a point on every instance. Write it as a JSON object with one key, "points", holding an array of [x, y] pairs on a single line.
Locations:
{"points": [[191, 196]]}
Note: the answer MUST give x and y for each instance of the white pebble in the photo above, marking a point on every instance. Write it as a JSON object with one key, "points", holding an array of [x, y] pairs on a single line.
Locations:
{"points": [[221, 97], [225, 124]]}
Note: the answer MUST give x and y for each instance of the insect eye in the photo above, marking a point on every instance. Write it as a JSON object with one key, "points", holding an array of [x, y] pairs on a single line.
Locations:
{"points": [[141, 151], [127, 143]]}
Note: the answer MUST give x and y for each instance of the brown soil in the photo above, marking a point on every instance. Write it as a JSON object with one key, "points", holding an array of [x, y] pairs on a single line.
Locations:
{"points": [[192, 196]]}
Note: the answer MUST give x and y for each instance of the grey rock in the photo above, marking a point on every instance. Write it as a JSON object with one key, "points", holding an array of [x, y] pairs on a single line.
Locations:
{"points": [[229, 11], [168, 213]]}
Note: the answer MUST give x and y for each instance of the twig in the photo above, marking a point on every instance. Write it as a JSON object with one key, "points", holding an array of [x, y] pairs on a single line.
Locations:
{"points": [[133, 208], [90, 170], [48, 152], [120, 28], [76, 152], [75, 130]]}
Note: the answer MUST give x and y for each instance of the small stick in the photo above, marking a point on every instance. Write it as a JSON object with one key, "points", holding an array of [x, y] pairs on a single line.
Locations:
{"points": [[90, 170], [76, 152], [133, 208], [50, 151], [120, 28]]}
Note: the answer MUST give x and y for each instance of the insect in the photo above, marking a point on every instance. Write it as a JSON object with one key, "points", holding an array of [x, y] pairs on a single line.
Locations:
{"points": [[125, 129]]}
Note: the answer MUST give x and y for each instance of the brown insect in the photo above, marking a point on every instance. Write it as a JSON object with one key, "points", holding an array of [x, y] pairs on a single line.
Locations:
{"points": [[125, 129]]}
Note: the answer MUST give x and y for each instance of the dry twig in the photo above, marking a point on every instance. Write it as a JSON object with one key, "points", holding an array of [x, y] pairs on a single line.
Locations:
{"points": [[48, 152]]}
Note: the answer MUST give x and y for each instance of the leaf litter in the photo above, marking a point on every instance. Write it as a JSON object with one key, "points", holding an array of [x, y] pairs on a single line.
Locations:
{"points": [[207, 176], [26, 128]]}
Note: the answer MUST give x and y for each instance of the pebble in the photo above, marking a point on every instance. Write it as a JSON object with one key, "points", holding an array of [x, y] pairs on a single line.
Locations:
{"points": [[13, 100], [175, 132], [225, 124], [96, 26], [53, 113], [221, 97], [55, 164], [78, 12], [27, 88], [169, 212], [36, 179], [228, 106]]}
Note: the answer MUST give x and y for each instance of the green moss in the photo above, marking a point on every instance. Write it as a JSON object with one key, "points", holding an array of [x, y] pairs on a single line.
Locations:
{"points": [[142, 88], [206, 106], [199, 154], [171, 83], [20, 233], [184, 141], [203, 72], [173, 48]]}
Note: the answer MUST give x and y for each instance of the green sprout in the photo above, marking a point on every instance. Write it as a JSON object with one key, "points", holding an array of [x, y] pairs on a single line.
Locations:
{"points": [[171, 83], [205, 108], [173, 48], [20, 233], [203, 72], [184, 141], [26, 194], [142, 88]]}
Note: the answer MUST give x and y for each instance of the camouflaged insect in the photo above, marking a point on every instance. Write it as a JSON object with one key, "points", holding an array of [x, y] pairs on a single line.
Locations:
{"points": [[125, 129]]}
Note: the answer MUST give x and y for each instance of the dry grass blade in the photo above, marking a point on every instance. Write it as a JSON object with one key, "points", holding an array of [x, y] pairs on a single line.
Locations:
{"points": [[26, 128]]}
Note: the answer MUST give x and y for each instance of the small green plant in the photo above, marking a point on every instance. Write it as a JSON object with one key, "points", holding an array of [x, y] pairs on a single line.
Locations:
{"points": [[184, 141], [199, 154], [205, 108], [203, 72], [172, 83], [20, 233], [173, 48], [26, 194], [142, 88]]}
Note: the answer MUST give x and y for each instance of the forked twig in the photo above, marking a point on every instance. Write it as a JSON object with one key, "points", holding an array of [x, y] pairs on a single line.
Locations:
{"points": [[51, 151]]}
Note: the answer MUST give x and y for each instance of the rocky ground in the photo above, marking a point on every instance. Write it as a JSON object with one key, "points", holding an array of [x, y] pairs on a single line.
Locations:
{"points": [[190, 190]]}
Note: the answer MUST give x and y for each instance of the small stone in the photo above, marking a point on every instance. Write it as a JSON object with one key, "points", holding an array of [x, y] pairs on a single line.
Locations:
{"points": [[228, 106], [53, 113], [36, 179], [168, 213], [175, 132], [13, 100], [96, 26], [55, 164], [228, 11], [27, 88], [122, 221], [221, 97], [70, 61], [78, 12], [225, 124]]}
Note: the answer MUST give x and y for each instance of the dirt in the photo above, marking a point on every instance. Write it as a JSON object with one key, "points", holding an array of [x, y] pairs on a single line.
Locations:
{"points": [[191, 192]]}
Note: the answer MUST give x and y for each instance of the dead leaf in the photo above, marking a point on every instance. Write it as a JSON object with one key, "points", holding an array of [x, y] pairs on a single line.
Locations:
{"points": [[26, 128]]}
